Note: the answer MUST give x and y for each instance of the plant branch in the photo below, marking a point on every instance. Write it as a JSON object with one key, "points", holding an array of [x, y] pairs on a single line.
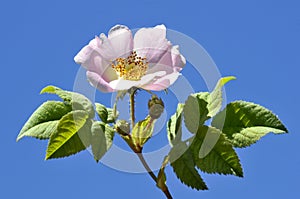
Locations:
{"points": [[132, 106], [138, 150], [145, 164]]}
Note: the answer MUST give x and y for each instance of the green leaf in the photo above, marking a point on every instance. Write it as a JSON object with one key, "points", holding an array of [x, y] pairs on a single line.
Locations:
{"points": [[201, 106], [216, 96], [202, 95], [244, 123], [76, 100], [142, 131], [107, 115], [64, 95], [66, 140], [102, 138], [174, 128], [214, 154], [195, 113], [181, 159], [41, 131], [42, 123]]}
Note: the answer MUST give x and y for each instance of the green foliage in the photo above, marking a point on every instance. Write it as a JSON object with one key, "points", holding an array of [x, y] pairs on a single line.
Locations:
{"points": [[102, 138], [67, 139], [42, 123], [195, 113], [209, 149], [201, 106], [212, 153], [76, 100], [244, 123], [181, 159], [71, 128], [107, 115], [142, 131], [215, 98], [41, 131], [174, 128]]}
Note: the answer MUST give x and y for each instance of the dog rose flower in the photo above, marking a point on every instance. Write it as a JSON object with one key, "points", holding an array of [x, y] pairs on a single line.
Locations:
{"points": [[120, 61]]}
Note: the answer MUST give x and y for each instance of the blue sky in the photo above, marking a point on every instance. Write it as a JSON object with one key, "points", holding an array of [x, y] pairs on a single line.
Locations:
{"points": [[257, 41]]}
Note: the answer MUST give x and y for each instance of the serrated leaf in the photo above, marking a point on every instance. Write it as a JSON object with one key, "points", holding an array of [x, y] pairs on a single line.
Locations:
{"points": [[174, 128], [66, 140], [102, 112], [107, 115], [102, 138], [142, 131], [195, 113], [181, 159], [76, 100], [111, 115], [244, 123], [85, 133], [41, 131], [215, 98], [213, 105], [214, 154], [41, 123]]}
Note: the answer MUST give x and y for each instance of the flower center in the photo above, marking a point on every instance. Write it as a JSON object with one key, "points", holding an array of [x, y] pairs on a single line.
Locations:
{"points": [[130, 68]]}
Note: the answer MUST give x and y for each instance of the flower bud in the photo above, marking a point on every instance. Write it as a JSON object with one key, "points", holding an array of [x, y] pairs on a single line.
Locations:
{"points": [[123, 127], [156, 107]]}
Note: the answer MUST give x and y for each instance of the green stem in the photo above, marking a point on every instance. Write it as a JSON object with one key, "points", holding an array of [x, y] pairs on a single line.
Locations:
{"points": [[165, 189], [145, 164], [138, 150], [132, 107]]}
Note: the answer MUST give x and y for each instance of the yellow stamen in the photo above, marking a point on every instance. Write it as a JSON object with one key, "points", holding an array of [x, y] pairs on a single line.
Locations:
{"points": [[130, 68]]}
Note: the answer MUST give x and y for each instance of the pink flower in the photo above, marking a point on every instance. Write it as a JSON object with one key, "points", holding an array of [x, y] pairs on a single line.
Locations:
{"points": [[120, 61]]}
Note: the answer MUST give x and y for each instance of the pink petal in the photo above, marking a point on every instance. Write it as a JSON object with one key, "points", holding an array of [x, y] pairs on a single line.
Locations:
{"points": [[151, 43], [165, 61], [177, 59], [163, 82], [99, 83], [90, 58], [171, 62], [120, 38], [119, 43], [85, 53], [164, 64]]}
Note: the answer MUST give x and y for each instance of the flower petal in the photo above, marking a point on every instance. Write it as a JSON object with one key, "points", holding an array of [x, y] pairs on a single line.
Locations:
{"points": [[119, 43], [85, 53], [122, 84], [164, 64], [90, 58], [164, 60], [163, 82], [120, 38], [151, 43], [177, 59], [98, 82]]}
